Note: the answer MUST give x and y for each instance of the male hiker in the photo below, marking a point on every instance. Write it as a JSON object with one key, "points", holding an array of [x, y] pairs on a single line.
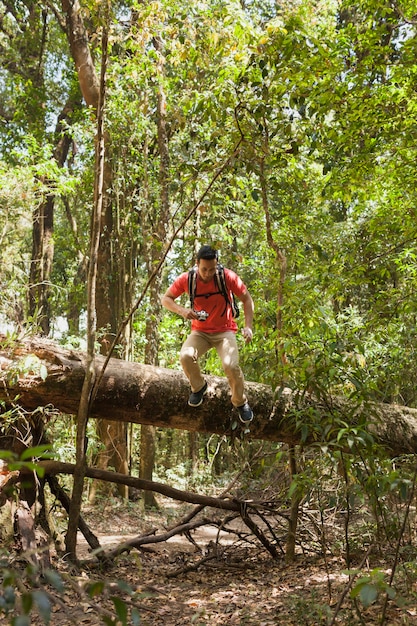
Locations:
{"points": [[212, 288]]}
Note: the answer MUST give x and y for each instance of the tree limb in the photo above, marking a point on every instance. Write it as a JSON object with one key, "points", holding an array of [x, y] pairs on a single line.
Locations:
{"points": [[227, 504]]}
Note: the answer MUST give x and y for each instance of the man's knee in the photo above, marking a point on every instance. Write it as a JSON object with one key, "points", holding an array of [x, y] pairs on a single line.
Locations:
{"points": [[232, 370], [188, 356]]}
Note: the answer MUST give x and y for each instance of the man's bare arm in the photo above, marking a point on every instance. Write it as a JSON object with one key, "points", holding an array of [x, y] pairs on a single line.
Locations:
{"points": [[248, 310], [168, 301]]}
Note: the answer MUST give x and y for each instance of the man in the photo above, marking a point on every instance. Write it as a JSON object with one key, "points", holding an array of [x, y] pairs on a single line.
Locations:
{"points": [[217, 330]]}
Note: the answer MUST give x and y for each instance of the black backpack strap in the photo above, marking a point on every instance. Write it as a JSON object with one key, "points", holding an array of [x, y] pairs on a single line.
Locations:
{"points": [[220, 280], [192, 283], [221, 284]]}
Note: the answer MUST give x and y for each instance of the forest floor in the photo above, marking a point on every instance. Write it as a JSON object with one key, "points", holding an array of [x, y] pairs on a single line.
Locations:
{"points": [[211, 578]]}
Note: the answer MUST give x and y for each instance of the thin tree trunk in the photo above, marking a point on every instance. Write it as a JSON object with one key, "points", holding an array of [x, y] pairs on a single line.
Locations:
{"points": [[281, 260], [113, 436], [88, 383], [41, 263], [194, 456], [74, 307], [160, 220], [148, 433], [295, 507]]}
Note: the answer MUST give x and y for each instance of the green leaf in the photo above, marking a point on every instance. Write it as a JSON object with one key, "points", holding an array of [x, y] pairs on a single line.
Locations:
{"points": [[7, 455], [44, 606], [124, 586], [43, 451], [54, 579], [27, 602], [121, 609], [96, 588], [368, 594]]}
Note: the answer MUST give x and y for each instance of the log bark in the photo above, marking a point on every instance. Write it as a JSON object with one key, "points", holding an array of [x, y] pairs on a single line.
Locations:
{"points": [[145, 394]]}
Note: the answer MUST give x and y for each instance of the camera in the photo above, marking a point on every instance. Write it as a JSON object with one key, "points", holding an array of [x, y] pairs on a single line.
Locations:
{"points": [[201, 315]]}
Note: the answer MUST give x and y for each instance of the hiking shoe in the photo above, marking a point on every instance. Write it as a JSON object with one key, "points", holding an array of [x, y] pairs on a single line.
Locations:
{"points": [[245, 413], [196, 397]]}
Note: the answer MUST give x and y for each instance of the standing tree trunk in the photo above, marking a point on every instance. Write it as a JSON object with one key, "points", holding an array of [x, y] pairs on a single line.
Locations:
{"points": [[32, 51], [43, 228], [27, 60], [158, 221], [194, 452], [112, 435], [148, 433], [281, 261], [87, 397], [41, 263], [75, 304]]}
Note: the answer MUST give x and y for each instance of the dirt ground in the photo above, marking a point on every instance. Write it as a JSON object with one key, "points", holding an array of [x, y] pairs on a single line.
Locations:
{"points": [[207, 578]]}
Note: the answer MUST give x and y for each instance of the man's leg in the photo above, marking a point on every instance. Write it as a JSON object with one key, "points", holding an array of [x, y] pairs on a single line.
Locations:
{"points": [[227, 349], [193, 348]]}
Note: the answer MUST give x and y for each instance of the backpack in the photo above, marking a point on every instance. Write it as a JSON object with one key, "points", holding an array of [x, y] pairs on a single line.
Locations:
{"points": [[220, 282]]}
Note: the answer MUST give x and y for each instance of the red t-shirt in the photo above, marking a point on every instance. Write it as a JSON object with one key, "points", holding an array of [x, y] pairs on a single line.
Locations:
{"points": [[209, 298]]}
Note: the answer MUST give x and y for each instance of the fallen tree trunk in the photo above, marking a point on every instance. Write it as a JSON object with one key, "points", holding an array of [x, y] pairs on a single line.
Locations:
{"points": [[40, 373]]}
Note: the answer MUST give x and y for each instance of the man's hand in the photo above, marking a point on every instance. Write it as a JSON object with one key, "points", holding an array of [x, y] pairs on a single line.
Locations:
{"points": [[247, 334], [189, 314]]}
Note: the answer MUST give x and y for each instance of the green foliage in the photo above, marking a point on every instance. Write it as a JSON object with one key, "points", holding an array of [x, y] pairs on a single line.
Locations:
{"points": [[30, 365], [368, 588], [323, 98], [21, 595], [125, 611], [25, 595], [28, 459]]}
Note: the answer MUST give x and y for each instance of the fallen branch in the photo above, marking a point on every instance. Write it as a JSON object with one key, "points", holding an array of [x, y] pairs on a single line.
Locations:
{"points": [[64, 499], [224, 503], [254, 528], [192, 567], [138, 542]]}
